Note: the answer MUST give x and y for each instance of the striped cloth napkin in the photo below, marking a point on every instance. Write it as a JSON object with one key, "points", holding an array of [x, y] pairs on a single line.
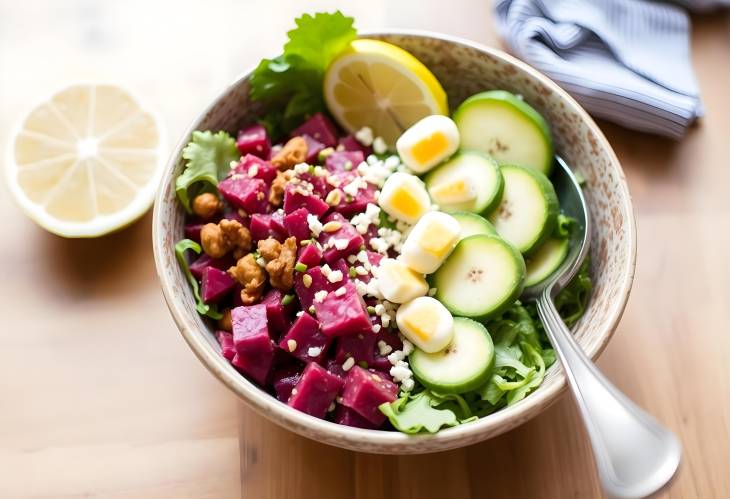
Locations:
{"points": [[626, 61]]}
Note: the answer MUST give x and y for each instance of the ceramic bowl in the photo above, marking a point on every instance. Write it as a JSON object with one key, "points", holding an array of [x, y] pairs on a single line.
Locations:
{"points": [[463, 68]]}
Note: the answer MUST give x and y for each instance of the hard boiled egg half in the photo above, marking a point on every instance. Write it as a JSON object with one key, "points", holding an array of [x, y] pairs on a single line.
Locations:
{"points": [[428, 142], [426, 323], [430, 241], [404, 197]]}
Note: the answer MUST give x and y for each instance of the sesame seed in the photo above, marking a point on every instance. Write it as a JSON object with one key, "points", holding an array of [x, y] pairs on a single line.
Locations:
{"points": [[307, 280], [347, 365], [332, 226], [291, 345]]}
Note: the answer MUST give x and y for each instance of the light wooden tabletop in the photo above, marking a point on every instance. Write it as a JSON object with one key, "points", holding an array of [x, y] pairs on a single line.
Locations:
{"points": [[100, 397]]}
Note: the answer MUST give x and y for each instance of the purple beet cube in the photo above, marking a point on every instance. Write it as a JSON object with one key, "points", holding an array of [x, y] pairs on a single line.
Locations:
{"points": [[238, 216], [255, 167], [276, 312], [359, 346], [342, 242], [341, 265], [192, 230], [335, 368], [294, 199], [296, 224], [255, 350], [348, 417], [344, 314], [364, 391], [225, 340], [305, 341], [350, 143], [343, 161], [320, 187], [215, 284], [319, 282], [278, 228], [320, 128], [310, 255], [374, 260], [245, 192], [254, 140], [315, 391], [264, 226], [204, 261], [314, 147], [352, 205], [284, 379]]}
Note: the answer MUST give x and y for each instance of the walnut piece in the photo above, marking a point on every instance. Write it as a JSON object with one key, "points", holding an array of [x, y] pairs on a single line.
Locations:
{"points": [[276, 193], [225, 323], [250, 276], [280, 260], [218, 239], [293, 153], [207, 205]]}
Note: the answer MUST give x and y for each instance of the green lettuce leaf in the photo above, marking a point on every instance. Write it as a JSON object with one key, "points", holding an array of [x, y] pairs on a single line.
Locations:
{"points": [[203, 308], [290, 85], [416, 413], [208, 159]]}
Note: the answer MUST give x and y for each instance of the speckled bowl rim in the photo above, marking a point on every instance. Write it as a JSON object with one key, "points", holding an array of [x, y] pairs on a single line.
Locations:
{"points": [[391, 442]]}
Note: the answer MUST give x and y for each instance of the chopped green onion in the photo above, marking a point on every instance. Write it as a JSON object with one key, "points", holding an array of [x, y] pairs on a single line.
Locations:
{"points": [[287, 300], [371, 309], [311, 309], [363, 364], [352, 272], [300, 267]]}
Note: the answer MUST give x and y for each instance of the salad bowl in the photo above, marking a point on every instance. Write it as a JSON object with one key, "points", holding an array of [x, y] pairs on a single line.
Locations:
{"points": [[463, 68]]}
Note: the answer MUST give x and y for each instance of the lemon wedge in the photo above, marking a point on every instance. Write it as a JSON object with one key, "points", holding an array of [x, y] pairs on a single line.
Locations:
{"points": [[87, 161], [381, 86]]}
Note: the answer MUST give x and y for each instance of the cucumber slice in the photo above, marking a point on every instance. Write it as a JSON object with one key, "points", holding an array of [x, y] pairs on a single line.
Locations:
{"points": [[465, 364], [528, 211], [482, 276], [546, 259], [507, 128], [471, 171], [472, 224]]}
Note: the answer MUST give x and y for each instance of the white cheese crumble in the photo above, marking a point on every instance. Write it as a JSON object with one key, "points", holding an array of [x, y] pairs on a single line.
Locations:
{"points": [[379, 146], [364, 136], [315, 226], [301, 168], [253, 171], [319, 296], [347, 365], [340, 291], [400, 371], [384, 348], [314, 351], [341, 243], [335, 276]]}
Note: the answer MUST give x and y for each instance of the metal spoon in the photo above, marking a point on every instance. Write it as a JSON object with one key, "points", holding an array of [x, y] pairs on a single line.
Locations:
{"points": [[635, 455]]}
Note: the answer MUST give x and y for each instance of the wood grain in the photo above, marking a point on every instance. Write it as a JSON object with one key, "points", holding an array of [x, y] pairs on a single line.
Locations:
{"points": [[99, 396]]}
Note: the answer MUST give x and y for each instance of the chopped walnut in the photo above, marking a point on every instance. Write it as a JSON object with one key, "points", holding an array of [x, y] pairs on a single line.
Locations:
{"points": [[276, 193], [280, 259], [207, 205], [218, 239], [293, 153], [224, 323], [251, 277]]}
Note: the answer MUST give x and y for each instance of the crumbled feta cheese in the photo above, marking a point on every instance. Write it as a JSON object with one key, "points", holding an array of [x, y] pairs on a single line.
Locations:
{"points": [[360, 270], [364, 136], [396, 356], [253, 171], [326, 270], [347, 365], [301, 168], [362, 256], [335, 276], [400, 371], [315, 226], [341, 243], [380, 309], [376, 329], [407, 384], [319, 296], [379, 245], [379, 146], [314, 351], [385, 320], [340, 291], [407, 346], [320, 172], [354, 185], [299, 314], [351, 258], [384, 348], [361, 287], [372, 159]]}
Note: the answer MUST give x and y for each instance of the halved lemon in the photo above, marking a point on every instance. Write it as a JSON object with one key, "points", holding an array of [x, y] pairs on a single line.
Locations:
{"points": [[381, 86], [87, 161]]}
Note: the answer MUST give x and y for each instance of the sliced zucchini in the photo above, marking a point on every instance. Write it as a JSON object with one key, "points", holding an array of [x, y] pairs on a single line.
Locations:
{"points": [[527, 214], [507, 128], [483, 276], [546, 260], [465, 364], [470, 181], [472, 224]]}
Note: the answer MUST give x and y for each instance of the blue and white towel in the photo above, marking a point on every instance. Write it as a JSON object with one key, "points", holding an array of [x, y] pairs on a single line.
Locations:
{"points": [[627, 61]]}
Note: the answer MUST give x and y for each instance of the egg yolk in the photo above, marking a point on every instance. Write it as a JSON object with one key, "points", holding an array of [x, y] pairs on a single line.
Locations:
{"points": [[422, 322], [426, 149], [436, 239], [406, 203]]}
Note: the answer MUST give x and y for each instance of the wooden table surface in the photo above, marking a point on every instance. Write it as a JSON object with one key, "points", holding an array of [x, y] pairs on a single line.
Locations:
{"points": [[100, 397]]}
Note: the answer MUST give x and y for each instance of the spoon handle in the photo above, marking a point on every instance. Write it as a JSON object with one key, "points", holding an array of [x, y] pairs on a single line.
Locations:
{"points": [[634, 454]]}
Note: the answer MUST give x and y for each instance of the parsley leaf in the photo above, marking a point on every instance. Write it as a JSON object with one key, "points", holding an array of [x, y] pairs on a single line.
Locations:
{"points": [[208, 158], [203, 308], [290, 85]]}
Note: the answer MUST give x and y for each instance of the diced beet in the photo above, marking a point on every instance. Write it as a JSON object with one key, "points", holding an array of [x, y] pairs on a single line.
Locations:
{"points": [[314, 147], [296, 224], [319, 282], [359, 346], [237, 301], [255, 167], [192, 230], [315, 391], [348, 417], [295, 199], [276, 312], [278, 229], [320, 128], [263, 226], [347, 232], [364, 391], [374, 260], [204, 261], [342, 266], [284, 379], [351, 206], [335, 368], [245, 192], [305, 335], [343, 315], [255, 350], [225, 340], [310, 255], [350, 143], [319, 184], [254, 140], [238, 216], [343, 161], [215, 284], [381, 363]]}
